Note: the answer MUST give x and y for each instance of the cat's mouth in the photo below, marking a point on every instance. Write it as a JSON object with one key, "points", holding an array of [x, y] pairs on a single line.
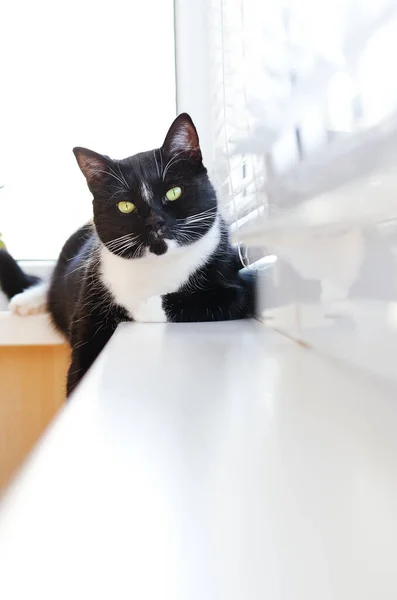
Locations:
{"points": [[157, 244]]}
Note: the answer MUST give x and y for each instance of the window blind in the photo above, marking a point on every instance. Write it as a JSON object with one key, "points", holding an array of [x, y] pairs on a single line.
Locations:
{"points": [[301, 99]]}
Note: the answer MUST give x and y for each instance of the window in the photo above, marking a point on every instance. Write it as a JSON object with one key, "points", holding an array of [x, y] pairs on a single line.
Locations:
{"points": [[81, 73], [292, 85]]}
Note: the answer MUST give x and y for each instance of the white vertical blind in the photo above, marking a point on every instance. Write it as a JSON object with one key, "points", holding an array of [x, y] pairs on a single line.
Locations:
{"points": [[290, 80]]}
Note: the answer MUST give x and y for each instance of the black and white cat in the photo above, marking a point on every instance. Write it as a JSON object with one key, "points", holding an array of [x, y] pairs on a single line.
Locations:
{"points": [[157, 251]]}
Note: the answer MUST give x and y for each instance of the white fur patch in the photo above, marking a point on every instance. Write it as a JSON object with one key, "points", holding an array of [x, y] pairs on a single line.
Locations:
{"points": [[147, 193], [30, 302], [150, 311], [137, 284]]}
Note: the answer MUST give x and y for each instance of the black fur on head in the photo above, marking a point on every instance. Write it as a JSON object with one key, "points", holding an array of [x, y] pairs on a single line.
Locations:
{"points": [[144, 180]]}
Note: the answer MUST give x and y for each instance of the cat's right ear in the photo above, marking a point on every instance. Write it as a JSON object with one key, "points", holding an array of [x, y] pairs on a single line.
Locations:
{"points": [[92, 165], [182, 138]]}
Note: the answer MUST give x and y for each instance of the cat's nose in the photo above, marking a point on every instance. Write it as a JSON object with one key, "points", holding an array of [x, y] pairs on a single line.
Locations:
{"points": [[154, 222]]}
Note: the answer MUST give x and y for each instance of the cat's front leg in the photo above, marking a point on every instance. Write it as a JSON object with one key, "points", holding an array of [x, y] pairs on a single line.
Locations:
{"points": [[221, 303], [89, 337]]}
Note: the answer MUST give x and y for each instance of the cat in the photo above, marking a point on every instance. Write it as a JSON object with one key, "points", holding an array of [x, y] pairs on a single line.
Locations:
{"points": [[157, 250]]}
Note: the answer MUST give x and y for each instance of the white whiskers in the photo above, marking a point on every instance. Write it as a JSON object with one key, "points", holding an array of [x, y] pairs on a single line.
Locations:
{"points": [[210, 213], [122, 243], [112, 174], [173, 160], [121, 175]]}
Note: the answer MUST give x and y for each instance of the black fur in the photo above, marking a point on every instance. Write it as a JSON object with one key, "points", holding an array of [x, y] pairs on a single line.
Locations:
{"points": [[12, 279], [80, 305]]}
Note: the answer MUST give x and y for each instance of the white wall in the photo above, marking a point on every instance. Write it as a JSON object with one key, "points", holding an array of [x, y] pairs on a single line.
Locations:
{"points": [[85, 72]]}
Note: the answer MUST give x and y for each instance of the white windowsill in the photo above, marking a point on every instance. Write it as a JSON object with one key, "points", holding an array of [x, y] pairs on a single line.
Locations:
{"points": [[35, 330], [272, 459]]}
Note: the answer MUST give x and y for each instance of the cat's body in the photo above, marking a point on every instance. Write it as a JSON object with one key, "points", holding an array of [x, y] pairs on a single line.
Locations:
{"points": [[146, 257], [107, 289]]}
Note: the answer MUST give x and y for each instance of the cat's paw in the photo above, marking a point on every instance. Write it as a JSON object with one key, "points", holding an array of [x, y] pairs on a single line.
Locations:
{"points": [[32, 301]]}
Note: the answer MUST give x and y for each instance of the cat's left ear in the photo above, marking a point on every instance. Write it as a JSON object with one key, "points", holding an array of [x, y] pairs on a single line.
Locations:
{"points": [[92, 165], [182, 138]]}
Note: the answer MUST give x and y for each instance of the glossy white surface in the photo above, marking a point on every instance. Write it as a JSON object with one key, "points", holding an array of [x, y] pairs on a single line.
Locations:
{"points": [[210, 461], [334, 285]]}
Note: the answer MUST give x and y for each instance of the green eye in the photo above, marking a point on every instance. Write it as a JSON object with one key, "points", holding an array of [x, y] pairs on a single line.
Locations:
{"points": [[126, 207], [173, 193]]}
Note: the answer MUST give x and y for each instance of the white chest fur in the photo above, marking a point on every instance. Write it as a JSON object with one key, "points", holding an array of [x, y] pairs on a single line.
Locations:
{"points": [[138, 284]]}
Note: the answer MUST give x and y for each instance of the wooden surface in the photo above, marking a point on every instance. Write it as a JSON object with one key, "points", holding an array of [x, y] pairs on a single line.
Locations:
{"points": [[32, 388]]}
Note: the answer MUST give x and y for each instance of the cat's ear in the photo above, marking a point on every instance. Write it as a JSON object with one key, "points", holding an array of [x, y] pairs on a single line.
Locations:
{"points": [[92, 165], [182, 138]]}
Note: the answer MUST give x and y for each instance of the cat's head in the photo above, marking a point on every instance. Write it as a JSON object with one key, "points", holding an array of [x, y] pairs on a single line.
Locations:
{"points": [[154, 200]]}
